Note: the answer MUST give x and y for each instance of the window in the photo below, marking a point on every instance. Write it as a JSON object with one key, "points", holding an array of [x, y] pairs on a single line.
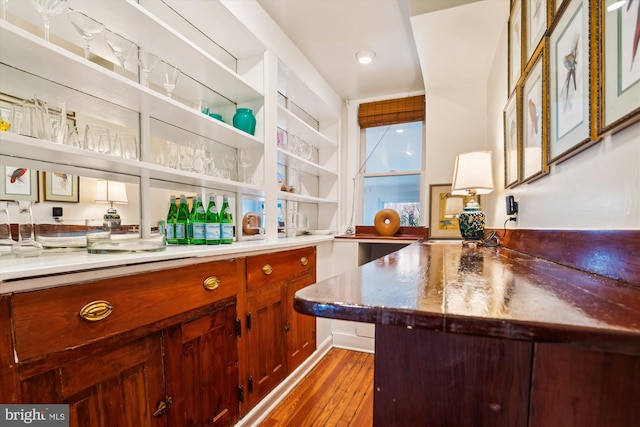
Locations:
{"points": [[393, 171]]}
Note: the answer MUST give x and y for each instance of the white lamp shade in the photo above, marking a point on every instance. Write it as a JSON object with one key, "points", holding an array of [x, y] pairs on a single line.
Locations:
{"points": [[472, 174], [111, 192]]}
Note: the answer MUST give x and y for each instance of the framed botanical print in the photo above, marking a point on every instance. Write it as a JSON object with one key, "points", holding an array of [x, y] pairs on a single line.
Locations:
{"points": [[511, 142], [619, 65], [515, 44], [534, 141], [18, 184], [536, 13], [61, 187], [569, 61]]}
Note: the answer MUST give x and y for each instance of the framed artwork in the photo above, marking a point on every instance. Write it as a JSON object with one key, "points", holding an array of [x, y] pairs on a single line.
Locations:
{"points": [[534, 101], [569, 62], [536, 13], [511, 143], [18, 184], [619, 66], [515, 44], [61, 187], [443, 221]]}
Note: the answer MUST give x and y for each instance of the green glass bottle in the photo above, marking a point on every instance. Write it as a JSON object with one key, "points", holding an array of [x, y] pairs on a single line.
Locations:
{"points": [[172, 216], [226, 222], [182, 221], [198, 221], [212, 227]]}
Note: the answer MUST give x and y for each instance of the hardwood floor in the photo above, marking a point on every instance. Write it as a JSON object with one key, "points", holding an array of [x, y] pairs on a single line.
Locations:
{"points": [[337, 392]]}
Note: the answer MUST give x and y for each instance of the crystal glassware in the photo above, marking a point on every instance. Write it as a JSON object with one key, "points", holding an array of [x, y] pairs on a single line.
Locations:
{"points": [[26, 246], [93, 134], [120, 46], [147, 61], [245, 159], [49, 9], [5, 225], [229, 162], [170, 77], [87, 27]]}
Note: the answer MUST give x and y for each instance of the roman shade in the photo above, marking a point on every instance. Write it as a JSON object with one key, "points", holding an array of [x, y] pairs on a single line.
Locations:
{"points": [[391, 111]]}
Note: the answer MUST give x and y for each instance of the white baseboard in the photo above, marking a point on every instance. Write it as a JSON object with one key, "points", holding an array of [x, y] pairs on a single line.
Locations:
{"points": [[353, 342], [268, 404]]}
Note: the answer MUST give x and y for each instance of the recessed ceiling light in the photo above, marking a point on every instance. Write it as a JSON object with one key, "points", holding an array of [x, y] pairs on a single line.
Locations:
{"points": [[616, 5], [399, 130], [365, 56]]}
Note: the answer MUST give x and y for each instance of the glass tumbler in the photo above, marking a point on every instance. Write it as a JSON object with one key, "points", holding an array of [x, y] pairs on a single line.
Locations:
{"points": [[26, 246]]}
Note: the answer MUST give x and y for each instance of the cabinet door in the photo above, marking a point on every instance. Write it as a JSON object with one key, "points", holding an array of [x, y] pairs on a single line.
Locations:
{"points": [[300, 328], [201, 362], [119, 386], [265, 341]]}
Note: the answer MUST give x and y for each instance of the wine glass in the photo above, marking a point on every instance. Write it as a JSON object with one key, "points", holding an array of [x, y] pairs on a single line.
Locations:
{"points": [[87, 27], [147, 61], [49, 9], [120, 46], [229, 162], [245, 159], [170, 77]]}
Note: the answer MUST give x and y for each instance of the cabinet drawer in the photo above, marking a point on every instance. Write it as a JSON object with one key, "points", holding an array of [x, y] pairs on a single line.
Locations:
{"points": [[49, 320], [281, 266]]}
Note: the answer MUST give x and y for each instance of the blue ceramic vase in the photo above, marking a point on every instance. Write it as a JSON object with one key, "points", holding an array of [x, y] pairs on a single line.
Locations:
{"points": [[245, 121]]}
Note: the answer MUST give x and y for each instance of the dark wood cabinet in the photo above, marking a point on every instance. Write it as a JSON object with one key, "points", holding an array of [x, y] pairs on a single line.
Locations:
{"points": [[278, 338], [151, 349]]}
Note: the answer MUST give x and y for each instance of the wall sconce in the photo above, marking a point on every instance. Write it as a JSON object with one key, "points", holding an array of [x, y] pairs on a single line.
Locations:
{"points": [[472, 176], [111, 192]]}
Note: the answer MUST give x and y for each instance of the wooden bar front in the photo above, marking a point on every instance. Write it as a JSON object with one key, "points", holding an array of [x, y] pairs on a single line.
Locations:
{"points": [[487, 336]]}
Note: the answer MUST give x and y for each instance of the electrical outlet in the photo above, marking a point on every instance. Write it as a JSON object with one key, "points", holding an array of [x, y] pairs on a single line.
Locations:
{"points": [[56, 212]]}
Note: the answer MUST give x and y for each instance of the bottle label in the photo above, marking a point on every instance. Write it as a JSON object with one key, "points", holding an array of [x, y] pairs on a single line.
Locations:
{"points": [[227, 231], [180, 230], [170, 231], [213, 209], [212, 231], [198, 231]]}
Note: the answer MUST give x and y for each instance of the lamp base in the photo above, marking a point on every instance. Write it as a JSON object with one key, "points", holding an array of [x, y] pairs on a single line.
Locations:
{"points": [[113, 217], [471, 222]]}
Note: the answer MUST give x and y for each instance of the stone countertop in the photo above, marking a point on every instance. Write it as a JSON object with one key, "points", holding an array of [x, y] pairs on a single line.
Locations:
{"points": [[54, 268], [484, 291]]}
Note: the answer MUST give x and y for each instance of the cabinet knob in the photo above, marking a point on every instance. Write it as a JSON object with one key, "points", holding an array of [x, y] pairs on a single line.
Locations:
{"points": [[211, 283], [96, 310], [163, 407], [267, 269], [304, 260]]}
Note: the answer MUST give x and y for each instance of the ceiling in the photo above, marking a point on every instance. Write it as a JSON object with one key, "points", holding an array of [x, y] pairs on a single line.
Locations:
{"points": [[330, 33]]}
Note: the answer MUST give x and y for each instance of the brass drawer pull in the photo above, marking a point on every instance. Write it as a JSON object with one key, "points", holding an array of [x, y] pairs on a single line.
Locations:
{"points": [[96, 310], [267, 269], [211, 283], [304, 260]]}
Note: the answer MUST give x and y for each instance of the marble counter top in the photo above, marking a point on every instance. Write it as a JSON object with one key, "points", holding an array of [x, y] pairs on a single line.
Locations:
{"points": [[56, 268], [492, 292]]}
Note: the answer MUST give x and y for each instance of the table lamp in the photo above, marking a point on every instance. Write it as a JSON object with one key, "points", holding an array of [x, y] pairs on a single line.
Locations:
{"points": [[111, 192], [472, 176]]}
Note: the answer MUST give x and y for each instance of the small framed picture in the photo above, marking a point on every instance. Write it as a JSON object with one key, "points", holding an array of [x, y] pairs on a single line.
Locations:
{"points": [[536, 12], [445, 207], [511, 143], [619, 66], [534, 107], [569, 61], [61, 187], [515, 44], [18, 184]]}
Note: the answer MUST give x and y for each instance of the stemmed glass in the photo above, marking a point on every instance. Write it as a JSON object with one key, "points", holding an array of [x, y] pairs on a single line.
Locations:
{"points": [[49, 9], [148, 61], [170, 77], [245, 159], [120, 47], [87, 27], [229, 162]]}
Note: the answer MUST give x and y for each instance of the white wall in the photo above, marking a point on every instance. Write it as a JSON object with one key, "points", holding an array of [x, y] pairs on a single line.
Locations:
{"points": [[598, 188]]}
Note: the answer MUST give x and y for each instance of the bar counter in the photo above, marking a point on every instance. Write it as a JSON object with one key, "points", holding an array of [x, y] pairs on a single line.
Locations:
{"points": [[489, 336]]}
